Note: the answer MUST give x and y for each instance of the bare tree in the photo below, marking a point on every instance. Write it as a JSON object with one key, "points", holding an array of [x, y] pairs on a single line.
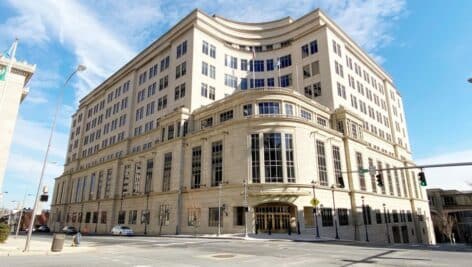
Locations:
{"points": [[445, 223]]}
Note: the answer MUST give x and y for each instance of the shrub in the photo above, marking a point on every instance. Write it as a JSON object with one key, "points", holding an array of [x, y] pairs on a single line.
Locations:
{"points": [[4, 232]]}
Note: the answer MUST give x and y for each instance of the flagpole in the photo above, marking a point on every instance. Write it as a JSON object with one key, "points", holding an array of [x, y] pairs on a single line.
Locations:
{"points": [[9, 66]]}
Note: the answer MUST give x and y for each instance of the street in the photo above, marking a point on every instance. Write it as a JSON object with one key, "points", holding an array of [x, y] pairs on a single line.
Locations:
{"points": [[172, 251]]}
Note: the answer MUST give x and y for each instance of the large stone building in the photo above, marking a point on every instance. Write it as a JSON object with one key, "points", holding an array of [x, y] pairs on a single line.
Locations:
{"points": [[212, 104], [14, 76], [454, 203]]}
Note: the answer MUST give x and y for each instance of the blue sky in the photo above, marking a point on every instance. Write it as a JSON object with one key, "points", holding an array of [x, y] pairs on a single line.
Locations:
{"points": [[425, 46]]}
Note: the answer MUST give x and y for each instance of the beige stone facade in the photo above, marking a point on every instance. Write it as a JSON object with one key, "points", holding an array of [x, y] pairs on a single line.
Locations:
{"points": [[12, 93], [150, 146]]}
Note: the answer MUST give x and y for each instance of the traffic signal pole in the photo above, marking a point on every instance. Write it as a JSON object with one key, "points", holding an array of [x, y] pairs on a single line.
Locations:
{"points": [[442, 165]]}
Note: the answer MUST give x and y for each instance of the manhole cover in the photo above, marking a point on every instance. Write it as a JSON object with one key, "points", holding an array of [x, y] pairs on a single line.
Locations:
{"points": [[223, 256]]}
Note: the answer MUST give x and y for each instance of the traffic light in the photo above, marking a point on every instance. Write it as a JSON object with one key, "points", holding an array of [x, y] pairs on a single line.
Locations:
{"points": [[422, 178], [341, 182], [379, 180]]}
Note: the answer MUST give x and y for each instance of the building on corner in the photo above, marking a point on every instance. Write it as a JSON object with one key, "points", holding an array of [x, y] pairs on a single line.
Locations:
{"points": [[166, 144]]}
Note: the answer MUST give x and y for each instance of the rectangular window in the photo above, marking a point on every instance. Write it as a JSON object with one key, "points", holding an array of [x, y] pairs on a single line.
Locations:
{"points": [[121, 217], [327, 216], [243, 64], [239, 216], [285, 61], [167, 172], [212, 93], [314, 47], [216, 163], [228, 115], [247, 110], [164, 214], [366, 214], [337, 164], [378, 216], [95, 217], [305, 51], [132, 217], [148, 182], [405, 191], [373, 181], [194, 217], [108, 183], [397, 182], [270, 82], [322, 172], [205, 68], [306, 115], [204, 90], [270, 64], [196, 167], [361, 174], [212, 51], [269, 108], [213, 217], [205, 47], [137, 177], [255, 159], [286, 80], [273, 157], [212, 72], [87, 217], [289, 161], [390, 182], [343, 217], [379, 167], [288, 109]]}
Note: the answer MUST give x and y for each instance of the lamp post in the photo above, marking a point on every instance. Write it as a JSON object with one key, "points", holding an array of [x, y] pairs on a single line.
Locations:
{"points": [[365, 220], [58, 107], [386, 223], [21, 213], [313, 183], [335, 212]]}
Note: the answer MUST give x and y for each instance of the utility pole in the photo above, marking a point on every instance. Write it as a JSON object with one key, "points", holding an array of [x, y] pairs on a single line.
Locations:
{"points": [[365, 219], [315, 211]]}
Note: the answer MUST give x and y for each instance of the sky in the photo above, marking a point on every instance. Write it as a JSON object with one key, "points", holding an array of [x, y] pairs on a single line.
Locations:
{"points": [[425, 46]]}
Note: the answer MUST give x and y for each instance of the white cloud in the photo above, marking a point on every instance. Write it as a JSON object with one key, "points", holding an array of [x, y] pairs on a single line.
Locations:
{"points": [[33, 137], [459, 178]]}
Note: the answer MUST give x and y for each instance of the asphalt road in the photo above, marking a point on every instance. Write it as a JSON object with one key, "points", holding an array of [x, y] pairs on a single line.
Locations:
{"points": [[165, 251]]}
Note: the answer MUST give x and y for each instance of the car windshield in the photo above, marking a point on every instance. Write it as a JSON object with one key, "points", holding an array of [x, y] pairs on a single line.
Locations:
{"points": [[125, 227]]}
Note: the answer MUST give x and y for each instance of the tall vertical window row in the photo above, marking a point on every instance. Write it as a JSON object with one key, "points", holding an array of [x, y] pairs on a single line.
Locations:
{"points": [[166, 175], [322, 171], [397, 182], [337, 164], [379, 166], [216, 163], [148, 182], [137, 177], [196, 167], [389, 178], [273, 158], [361, 174], [255, 159], [373, 182], [290, 163]]}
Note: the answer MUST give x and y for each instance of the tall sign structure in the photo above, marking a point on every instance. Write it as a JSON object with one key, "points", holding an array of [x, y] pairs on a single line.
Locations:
{"points": [[14, 76]]}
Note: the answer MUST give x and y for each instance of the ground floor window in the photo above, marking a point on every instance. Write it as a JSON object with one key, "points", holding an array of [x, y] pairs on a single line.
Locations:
{"points": [[133, 215], [327, 216], [164, 214], [95, 217], [121, 217], [103, 217], [378, 217], [239, 216], [145, 216], [343, 217], [213, 217], [87, 217], [194, 217]]}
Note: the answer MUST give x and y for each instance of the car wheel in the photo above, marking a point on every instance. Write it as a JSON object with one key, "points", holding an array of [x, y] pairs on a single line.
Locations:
{"points": [[120, 233]]}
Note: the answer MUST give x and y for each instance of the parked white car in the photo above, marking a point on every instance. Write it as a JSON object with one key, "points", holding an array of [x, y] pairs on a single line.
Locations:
{"points": [[122, 230]]}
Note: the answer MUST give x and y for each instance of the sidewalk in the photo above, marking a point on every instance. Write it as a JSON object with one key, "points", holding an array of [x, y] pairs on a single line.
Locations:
{"points": [[14, 247], [259, 237]]}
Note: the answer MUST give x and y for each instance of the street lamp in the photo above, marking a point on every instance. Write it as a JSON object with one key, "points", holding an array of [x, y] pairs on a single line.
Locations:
{"points": [[246, 208], [365, 219], [386, 223], [58, 107], [313, 184], [335, 212]]}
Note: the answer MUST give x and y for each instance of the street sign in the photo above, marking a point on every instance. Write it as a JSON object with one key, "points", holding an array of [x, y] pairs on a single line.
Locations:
{"points": [[362, 170], [314, 202], [372, 170]]}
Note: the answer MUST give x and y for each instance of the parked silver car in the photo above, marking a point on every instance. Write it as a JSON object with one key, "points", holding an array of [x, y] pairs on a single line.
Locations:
{"points": [[122, 230]]}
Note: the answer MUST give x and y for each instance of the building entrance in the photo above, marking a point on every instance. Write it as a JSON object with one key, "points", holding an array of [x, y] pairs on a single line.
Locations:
{"points": [[274, 217]]}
